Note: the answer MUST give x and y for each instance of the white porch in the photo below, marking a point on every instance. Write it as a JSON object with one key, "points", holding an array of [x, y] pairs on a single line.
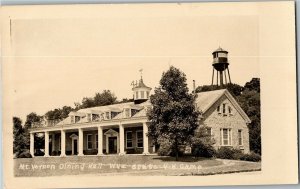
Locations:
{"points": [[100, 139]]}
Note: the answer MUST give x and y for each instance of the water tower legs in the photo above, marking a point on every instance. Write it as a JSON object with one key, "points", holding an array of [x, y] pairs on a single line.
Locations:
{"points": [[212, 80], [229, 75]]}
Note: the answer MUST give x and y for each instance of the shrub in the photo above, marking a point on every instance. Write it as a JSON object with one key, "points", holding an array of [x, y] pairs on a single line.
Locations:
{"points": [[251, 157], [229, 153], [165, 148], [24, 154], [203, 150]]}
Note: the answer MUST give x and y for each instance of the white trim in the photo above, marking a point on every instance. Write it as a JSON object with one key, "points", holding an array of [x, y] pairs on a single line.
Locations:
{"points": [[111, 133], [137, 138], [74, 137], [87, 141], [127, 139]]}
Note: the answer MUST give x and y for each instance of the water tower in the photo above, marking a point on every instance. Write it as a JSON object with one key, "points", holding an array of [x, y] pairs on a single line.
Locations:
{"points": [[221, 65]]}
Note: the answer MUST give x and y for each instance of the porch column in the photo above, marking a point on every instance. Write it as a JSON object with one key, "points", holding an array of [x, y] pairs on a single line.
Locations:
{"points": [[80, 141], [46, 144], [32, 144], [63, 143], [121, 131], [100, 141], [53, 142], [145, 139]]}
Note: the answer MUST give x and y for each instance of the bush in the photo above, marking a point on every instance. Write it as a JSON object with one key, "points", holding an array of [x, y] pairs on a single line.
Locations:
{"points": [[229, 153], [203, 150], [165, 148], [251, 157], [24, 154]]}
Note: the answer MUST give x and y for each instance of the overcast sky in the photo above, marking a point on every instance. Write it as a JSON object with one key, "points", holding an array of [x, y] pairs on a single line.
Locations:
{"points": [[60, 61]]}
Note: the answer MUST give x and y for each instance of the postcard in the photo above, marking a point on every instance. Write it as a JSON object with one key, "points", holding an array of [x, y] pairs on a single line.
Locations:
{"points": [[126, 95]]}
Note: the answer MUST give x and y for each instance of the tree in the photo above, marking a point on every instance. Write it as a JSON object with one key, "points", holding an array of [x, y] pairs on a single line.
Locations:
{"points": [[202, 143], [100, 99], [21, 141], [250, 103], [173, 117], [59, 114], [32, 118], [39, 139], [234, 89]]}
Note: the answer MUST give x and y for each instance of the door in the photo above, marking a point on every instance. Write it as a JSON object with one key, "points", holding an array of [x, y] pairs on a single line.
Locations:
{"points": [[75, 147], [112, 145]]}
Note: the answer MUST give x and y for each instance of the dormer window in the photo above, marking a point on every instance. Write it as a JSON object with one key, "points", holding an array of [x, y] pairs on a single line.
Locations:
{"points": [[95, 117], [113, 114], [77, 119], [142, 94], [137, 95]]}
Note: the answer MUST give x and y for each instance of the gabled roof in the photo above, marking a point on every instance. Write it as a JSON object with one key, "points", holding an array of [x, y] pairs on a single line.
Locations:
{"points": [[205, 100]]}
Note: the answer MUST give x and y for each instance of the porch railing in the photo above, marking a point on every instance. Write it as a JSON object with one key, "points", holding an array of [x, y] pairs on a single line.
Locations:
{"points": [[45, 123]]}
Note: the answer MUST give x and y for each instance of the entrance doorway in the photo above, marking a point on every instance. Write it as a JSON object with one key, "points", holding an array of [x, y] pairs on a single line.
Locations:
{"points": [[112, 145], [74, 138]]}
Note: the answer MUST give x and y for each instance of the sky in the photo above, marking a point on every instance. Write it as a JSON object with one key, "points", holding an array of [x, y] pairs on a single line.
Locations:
{"points": [[59, 61]]}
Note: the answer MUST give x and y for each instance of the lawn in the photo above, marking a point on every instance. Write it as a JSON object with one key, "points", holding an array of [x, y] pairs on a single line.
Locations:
{"points": [[128, 165]]}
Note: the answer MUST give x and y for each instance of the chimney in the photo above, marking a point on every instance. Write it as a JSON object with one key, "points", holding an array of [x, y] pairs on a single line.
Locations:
{"points": [[194, 87]]}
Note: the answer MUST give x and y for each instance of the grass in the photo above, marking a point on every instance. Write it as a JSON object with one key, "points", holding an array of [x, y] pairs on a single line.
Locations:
{"points": [[128, 165]]}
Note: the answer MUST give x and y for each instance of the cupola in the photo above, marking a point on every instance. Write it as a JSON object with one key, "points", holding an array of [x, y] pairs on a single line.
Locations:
{"points": [[141, 92]]}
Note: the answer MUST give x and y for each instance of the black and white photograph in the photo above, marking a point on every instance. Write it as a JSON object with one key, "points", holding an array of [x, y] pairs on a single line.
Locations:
{"points": [[174, 90]]}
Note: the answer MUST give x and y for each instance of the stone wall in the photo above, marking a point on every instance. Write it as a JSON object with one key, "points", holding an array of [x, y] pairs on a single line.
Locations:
{"points": [[234, 121]]}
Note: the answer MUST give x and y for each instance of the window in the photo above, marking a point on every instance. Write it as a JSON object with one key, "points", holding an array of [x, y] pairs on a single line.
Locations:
{"points": [[129, 139], [127, 112], [226, 137], [240, 135], [229, 109], [137, 95], [222, 54], [113, 114], [139, 139], [89, 142], [142, 94], [107, 115], [209, 131], [218, 109], [95, 117], [224, 108], [72, 119], [77, 119], [147, 94], [96, 141]]}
